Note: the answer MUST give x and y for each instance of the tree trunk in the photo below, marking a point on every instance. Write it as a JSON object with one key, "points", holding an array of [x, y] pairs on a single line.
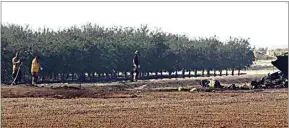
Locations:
{"points": [[100, 77], [208, 73], [226, 72], [83, 77], [43, 78], [170, 73], [183, 73], [203, 72], [67, 76], [89, 76], [105, 76], [72, 77], [221, 72], [62, 78], [196, 73], [214, 73], [125, 74], [156, 75], [162, 75], [176, 75], [233, 71], [189, 73], [239, 72], [55, 76], [110, 77], [93, 76], [58, 77]]}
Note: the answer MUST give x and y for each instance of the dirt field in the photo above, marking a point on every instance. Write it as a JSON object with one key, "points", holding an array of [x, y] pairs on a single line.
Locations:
{"points": [[151, 109], [43, 107]]}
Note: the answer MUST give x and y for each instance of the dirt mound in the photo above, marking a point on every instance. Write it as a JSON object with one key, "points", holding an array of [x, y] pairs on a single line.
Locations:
{"points": [[62, 92]]}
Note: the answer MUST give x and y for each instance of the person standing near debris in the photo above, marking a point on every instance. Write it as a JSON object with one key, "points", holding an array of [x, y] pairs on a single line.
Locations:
{"points": [[16, 73], [212, 83], [35, 66], [136, 66]]}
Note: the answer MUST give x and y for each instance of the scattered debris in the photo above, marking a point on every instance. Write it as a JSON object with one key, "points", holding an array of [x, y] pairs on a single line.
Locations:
{"points": [[212, 83], [277, 79], [141, 87], [193, 90], [180, 89]]}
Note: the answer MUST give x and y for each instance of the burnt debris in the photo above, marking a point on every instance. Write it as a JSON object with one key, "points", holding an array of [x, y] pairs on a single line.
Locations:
{"points": [[276, 79]]}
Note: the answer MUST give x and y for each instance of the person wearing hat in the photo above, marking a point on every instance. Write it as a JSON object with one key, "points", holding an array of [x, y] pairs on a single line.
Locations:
{"points": [[16, 73], [35, 66], [136, 66]]}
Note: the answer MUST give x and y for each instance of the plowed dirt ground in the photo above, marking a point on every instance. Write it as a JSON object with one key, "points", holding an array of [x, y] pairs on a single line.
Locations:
{"points": [[91, 107]]}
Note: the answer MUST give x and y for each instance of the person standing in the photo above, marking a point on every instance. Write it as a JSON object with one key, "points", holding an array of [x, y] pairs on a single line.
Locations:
{"points": [[35, 66], [16, 72], [136, 66]]}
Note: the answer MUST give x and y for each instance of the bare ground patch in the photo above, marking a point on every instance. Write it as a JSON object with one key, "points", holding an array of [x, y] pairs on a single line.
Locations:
{"points": [[60, 92], [116, 89]]}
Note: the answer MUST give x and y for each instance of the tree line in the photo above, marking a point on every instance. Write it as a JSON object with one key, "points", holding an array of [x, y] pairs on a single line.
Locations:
{"points": [[103, 53]]}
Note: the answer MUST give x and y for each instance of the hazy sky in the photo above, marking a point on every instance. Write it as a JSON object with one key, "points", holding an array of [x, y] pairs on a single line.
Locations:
{"points": [[265, 23]]}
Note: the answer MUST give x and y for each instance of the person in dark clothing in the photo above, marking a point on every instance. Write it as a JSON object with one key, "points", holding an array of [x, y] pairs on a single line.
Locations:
{"points": [[136, 66]]}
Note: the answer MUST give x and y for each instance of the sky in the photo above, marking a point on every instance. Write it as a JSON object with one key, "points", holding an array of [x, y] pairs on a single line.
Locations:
{"points": [[265, 23]]}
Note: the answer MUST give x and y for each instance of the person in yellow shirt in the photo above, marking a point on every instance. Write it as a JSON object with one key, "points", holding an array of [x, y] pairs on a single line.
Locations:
{"points": [[16, 66], [35, 69]]}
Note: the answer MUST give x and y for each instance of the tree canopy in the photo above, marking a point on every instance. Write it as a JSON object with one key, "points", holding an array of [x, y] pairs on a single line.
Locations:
{"points": [[95, 49]]}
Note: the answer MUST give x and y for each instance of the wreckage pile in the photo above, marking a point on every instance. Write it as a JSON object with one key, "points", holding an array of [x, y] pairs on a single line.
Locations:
{"points": [[277, 79]]}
